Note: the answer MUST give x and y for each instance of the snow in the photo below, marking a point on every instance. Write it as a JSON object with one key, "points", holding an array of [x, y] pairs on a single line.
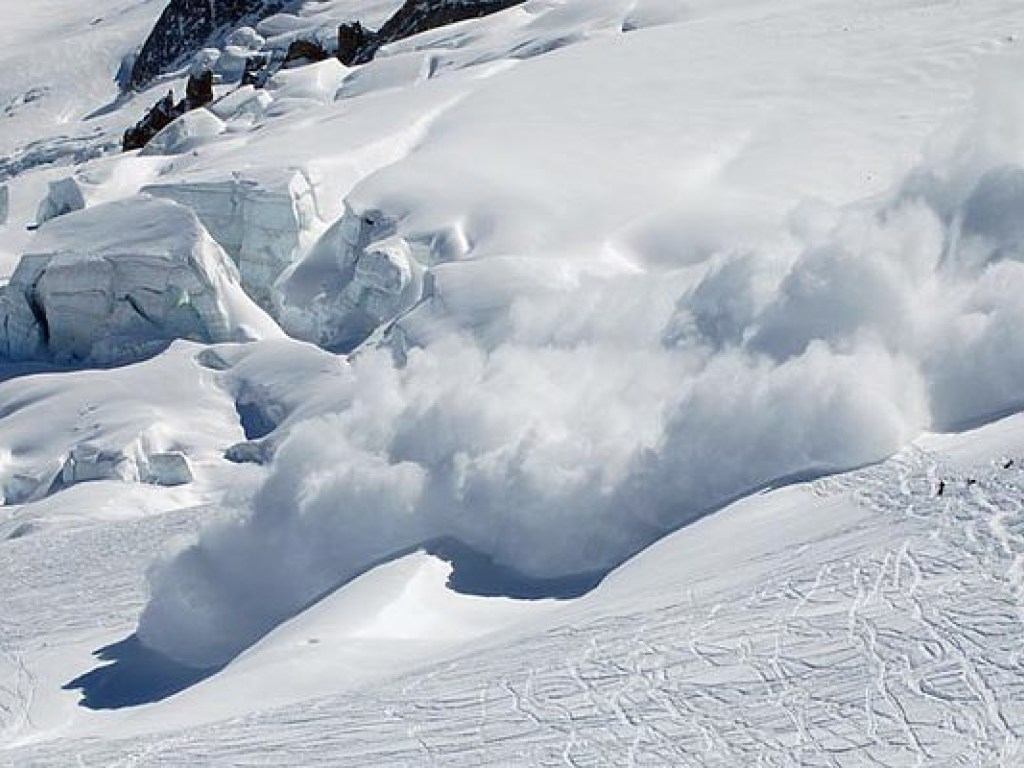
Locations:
{"points": [[263, 221], [682, 314], [65, 196], [170, 468], [357, 276], [184, 134], [91, 291]]}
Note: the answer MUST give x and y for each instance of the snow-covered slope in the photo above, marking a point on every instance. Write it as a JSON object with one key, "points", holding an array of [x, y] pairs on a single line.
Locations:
{"points": [[856, 620], [555, 295]]}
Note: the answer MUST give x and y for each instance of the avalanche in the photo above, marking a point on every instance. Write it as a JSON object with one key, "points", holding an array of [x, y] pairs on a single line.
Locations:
{"points": [[672, 318]]}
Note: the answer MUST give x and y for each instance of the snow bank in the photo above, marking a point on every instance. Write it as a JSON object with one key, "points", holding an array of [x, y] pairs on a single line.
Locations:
{"points": [[600, 412], [117, 281], [262, 220]]}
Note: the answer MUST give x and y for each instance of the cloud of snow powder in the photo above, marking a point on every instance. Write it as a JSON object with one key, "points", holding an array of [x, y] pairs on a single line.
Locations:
{"points": [[586, 422]]}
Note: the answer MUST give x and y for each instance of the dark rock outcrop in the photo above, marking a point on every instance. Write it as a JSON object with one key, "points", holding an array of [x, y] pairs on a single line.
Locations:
{"points": [[304, 52], [353, 38], [199, 90], [198, 93], [155, 120], [416, 16], [186, 26]]}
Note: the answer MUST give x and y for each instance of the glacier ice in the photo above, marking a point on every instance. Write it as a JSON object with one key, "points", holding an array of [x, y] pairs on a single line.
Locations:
{"points": [[117, 281], [64, 196], [88, 462], [263, 220], [359, 275], [168, 468]]}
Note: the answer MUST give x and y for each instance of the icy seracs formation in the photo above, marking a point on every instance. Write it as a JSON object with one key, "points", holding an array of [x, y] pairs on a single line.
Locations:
{"points": [[117, 281], [64, 196], [359, 275], [262, 221], [88, 462], [169, 468]]}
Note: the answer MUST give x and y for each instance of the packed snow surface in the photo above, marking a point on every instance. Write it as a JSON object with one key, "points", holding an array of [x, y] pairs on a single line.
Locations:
{"points": [[566, 291]]}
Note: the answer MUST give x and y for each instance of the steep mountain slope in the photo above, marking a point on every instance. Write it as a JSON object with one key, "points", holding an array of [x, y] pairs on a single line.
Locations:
{"points": [[594, 382]]}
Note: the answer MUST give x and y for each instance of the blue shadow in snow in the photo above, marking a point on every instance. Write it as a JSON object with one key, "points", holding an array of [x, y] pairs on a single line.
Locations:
{"points": [[475, 573], [254, 422], [136, 676]]}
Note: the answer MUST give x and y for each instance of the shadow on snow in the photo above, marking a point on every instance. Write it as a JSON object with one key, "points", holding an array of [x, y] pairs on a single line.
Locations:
{"points": [[136, 676]]}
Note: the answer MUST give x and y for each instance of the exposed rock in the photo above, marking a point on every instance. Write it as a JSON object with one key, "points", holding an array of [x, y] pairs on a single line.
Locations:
{"points": [[188, 25], [417, 16], [185, 133], [357, 277], [256, 71], [352, 38], [199, 90], [302, 52], [160, 115], [116, 282]]}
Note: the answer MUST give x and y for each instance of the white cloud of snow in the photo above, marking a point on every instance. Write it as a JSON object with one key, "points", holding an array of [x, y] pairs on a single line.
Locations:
{"points": [[591, 418]]}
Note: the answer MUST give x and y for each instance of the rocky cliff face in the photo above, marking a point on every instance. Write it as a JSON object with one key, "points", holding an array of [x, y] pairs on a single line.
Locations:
{"points": [[187, 25]]}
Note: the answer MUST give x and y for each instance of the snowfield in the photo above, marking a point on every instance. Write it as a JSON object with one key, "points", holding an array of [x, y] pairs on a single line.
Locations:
{"points": [[598, 382]]}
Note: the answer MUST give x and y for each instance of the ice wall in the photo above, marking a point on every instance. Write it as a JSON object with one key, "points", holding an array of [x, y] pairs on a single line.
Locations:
{"points": [[262, 220], [359, 275], [117, 281]]}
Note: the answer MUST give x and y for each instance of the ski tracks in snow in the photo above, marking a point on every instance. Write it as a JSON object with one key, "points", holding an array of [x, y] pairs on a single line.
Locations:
{"points": [[894, 649]]}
